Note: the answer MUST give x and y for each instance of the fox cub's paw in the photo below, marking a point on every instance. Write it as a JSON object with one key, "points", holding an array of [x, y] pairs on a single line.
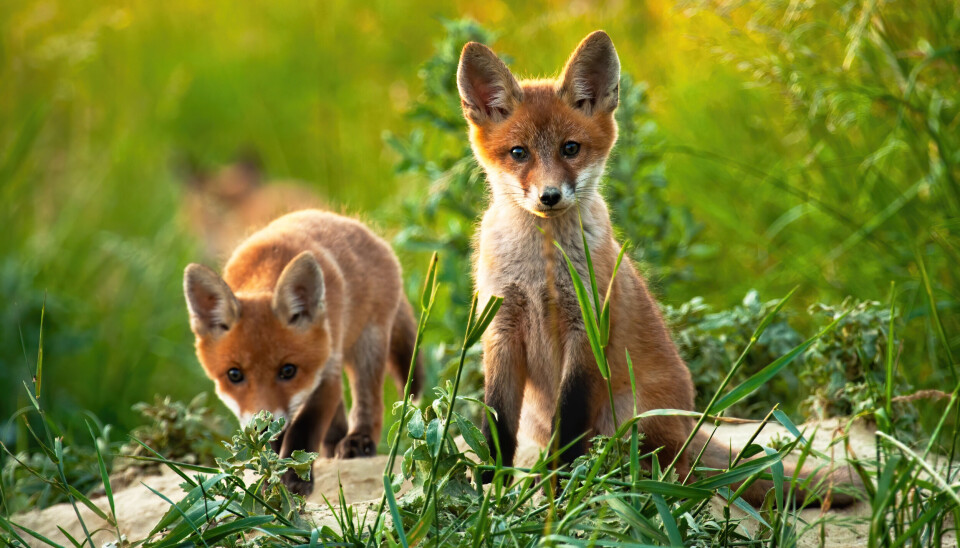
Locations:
{"points": [[297, 485], [356, 445]]}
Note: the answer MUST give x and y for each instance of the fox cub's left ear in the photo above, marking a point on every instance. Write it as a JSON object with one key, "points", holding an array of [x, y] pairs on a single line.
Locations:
{"points": [[212, 306], [591, 78], [298, 298]]}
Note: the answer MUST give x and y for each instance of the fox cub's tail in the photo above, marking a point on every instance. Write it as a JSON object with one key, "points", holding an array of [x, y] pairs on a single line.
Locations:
{"points": [[402, 340], [821, 483]]}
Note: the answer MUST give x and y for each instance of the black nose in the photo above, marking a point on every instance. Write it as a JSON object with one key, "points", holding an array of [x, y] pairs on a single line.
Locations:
{"points": [[550, 196]]}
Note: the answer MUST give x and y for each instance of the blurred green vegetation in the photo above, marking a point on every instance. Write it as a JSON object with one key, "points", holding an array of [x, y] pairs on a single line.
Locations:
{"points": [[769, 145]]}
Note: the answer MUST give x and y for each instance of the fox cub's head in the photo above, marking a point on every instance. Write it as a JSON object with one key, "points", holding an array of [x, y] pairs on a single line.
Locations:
{"points": [[264, 351], [543, 143]]}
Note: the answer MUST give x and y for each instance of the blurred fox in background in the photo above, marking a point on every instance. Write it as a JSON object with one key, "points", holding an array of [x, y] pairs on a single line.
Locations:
{"points": [[224, 207]]}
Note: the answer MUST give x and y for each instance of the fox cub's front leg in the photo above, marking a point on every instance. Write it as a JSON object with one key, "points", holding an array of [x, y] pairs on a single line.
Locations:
{"points": [[577, 404], [504, 374], [309, 427], [366, 363]]}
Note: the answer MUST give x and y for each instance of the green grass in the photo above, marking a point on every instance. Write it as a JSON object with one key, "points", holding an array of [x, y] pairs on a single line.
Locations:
{"points": [[606, 498], [765, 148]]}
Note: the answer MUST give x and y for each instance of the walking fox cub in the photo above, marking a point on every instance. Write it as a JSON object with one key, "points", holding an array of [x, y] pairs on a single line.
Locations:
{"points": [[299, 300], [543, 145]]}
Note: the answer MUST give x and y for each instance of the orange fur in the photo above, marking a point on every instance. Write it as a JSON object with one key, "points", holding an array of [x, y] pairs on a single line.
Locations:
{"points": [[319, 292]]}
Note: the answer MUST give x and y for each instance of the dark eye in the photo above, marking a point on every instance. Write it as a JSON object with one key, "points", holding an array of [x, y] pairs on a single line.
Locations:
{"points": [[235, 375], [570, 149], [287, 371], [518, 153]]}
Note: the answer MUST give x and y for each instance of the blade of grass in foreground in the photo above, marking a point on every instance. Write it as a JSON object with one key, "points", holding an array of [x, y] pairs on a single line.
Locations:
{"points": [[105, 478], [395, 512]]}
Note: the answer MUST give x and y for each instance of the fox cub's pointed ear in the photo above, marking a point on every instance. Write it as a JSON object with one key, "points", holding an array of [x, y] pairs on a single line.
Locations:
{"points": [[488, 91], [298, 299], [213, 307], [591, 78]]}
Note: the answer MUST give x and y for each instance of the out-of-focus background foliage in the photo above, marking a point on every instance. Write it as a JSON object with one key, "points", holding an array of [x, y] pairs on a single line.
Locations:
{"points": [[764, 145]]}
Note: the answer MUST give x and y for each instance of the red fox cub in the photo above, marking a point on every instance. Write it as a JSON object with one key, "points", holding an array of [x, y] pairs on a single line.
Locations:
{"points": [[308, 295], [543, 145]]}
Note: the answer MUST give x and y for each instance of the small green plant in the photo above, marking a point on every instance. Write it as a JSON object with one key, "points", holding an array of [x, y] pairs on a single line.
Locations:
{"points": [[845, 371], [186, 432], [710, 341], [25, 474]]}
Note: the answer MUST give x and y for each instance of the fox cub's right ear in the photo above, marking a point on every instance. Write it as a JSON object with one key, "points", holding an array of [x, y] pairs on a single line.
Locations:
{"points": [[212, 305], [298, 298], [488, 91]]}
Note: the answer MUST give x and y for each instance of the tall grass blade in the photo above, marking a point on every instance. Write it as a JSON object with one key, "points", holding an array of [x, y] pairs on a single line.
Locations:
{"points": [[242, 525], [105, 478], [58, 449], [38, 376], [589, 321], [889, 356], [394, 512], [669, 523]]}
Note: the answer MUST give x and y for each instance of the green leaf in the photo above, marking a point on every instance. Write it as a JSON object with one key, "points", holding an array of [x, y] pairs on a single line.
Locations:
{"points": [[12, 527], [214, 534], [416, 427], [176, 535], [941, 483], [669, 523], [473, 436], [395, 512], [676, 490], [605, 312], [429, 284], [783, 419], [727, 494], [636, 520], [177, 510], [483, 321], [589, 321], [38, 376], [433, 437], [739, 473], [73, 541]]}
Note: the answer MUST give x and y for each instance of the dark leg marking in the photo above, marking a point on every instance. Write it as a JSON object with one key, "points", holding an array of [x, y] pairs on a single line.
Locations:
{"points": [[574, 414]]}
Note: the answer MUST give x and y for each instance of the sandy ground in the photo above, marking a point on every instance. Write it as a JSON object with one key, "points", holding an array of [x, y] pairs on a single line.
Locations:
{"points": [[139, 510]]}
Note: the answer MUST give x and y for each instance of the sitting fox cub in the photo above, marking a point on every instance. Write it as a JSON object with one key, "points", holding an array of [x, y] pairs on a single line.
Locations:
{"points": [[310, 293], [544, 145]]}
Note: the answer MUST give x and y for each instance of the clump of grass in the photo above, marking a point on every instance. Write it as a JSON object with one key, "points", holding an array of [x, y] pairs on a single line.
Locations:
{"points": [[612, 496]]}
